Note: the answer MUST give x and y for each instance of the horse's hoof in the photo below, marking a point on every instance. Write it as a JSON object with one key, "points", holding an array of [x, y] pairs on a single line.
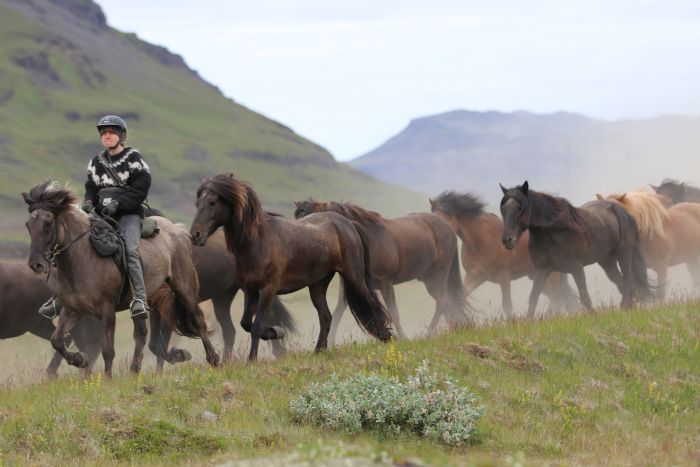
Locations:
{"points": [[179, 355], [213, 359], [278, 332], [79, 360]]}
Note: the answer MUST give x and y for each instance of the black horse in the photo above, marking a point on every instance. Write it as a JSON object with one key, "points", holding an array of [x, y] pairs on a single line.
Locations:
{"points": [[673, 192], [565, 239]]}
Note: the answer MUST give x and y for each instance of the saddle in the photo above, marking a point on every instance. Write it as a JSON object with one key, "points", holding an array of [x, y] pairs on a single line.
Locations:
{"points": [[107, 241]]}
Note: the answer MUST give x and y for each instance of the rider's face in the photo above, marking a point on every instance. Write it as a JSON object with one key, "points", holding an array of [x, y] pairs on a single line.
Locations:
{"points": [[109, 137]]}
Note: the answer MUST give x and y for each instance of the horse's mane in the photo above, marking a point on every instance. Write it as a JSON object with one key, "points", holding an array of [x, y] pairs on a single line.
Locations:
{"points": [[459, 204], [51, 196], [678, 189], [248, 213], [349, 210], [546, 211], [647, 211], [354, 212]]}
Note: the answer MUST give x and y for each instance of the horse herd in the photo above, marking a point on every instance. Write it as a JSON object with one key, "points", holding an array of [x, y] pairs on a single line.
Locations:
{"points": [[238, 245]]}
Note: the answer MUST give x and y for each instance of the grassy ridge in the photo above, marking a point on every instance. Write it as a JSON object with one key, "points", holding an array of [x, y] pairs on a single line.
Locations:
{"points": [[608, 388]]}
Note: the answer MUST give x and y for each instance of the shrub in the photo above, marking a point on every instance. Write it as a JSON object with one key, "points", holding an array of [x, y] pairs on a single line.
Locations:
{"points": [[422, 404]]}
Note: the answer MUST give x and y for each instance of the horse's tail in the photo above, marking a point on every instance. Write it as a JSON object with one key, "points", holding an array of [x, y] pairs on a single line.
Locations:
{"points": [[369, 312], [281, 316], [173, 313], [455, 287], [629, 233]]}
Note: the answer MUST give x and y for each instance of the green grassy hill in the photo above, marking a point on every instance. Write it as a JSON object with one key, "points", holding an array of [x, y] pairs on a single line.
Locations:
{"points": [[62, 66], [609, 388]]}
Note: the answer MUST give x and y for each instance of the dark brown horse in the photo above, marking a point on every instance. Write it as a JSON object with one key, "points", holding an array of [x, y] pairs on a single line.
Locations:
{"points": [[565, 239], [278, 256], [21, 294], [417, 246], [218, 279], [673, 192], [484, 257], [87, 283]]}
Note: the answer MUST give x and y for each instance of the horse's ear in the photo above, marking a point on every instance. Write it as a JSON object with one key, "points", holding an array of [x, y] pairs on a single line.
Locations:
{"points": [[231, 175], [503, 189], [654, 187], [526, 187], [599, 197], [296, 203], [432, 203], [622, 197], [26, 197]]}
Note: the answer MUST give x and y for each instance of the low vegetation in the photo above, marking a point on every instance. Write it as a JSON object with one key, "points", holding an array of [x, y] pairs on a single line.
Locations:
{"points": [[612, 387]]}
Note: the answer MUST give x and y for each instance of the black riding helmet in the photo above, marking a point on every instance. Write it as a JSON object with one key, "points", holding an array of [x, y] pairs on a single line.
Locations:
{"points": [[113, 121]]}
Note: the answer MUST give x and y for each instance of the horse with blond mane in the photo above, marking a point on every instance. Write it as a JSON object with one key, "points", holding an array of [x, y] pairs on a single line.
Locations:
{"points": [[668, 237]]}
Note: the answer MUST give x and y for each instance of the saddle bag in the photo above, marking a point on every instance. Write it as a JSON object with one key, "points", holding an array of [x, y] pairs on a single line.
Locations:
{"points": [[105, 240]]}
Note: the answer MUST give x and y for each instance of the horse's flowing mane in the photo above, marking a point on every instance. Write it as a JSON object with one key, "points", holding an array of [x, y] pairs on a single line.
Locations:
{"points": [[545, 211], [248, 213], [646, 209], [51, 196], [459, 204]]}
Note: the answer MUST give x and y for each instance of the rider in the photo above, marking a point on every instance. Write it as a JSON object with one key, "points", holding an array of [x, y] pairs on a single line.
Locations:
{"points": [[122, 205]]}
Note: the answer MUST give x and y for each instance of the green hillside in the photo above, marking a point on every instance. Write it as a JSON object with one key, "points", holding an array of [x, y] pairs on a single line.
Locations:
{"points": [[62, 67], [607, 388]]}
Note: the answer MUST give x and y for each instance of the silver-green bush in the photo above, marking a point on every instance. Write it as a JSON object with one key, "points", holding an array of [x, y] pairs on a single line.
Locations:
{"points": [[422, 404]]}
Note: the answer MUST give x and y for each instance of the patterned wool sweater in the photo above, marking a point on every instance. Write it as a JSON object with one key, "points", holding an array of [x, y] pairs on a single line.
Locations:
{"points": [[131, 169]]}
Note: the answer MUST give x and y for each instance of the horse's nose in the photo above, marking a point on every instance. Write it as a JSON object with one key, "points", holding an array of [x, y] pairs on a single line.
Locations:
{"points": [[197, 237], [508, 241], [36, 266]]}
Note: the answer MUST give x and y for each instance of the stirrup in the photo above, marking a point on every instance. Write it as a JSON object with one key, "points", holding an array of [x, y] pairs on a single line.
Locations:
{"points": [[143, 312], [49, 309]]}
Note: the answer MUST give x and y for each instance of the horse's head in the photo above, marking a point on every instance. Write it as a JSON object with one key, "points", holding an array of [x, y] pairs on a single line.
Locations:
{"points": [[304, 208], [223, 200], [212, 213], [45, 202], [514, 206], [670, 192]]}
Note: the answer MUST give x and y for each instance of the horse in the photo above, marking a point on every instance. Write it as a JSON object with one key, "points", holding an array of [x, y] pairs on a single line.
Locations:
{"points": [[275, 256], [564, 238], [417, 246], [668, 237], [21, 294], [216, 270], [674, 192], [484, 257], [87, 283]]}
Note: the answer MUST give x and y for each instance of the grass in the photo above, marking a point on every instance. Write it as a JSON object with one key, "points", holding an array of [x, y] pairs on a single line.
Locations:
{"points": [[606, 388]]}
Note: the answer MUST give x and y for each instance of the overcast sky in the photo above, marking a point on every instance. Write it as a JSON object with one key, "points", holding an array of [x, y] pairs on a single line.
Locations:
{"points": [[350, 76]]}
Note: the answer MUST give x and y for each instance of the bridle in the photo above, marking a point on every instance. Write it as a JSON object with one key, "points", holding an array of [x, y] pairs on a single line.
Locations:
{"points": [[55, 249]]}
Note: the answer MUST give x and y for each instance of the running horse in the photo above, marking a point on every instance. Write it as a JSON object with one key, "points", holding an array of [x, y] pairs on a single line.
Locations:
{"points": [[21, 294], [564, 238], [673, 192], [485, 259], [87, 283], [277, 256], [668, 237], [417, 246]]}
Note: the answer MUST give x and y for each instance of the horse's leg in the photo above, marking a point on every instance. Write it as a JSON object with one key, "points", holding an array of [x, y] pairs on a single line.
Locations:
{"points": [[390, 300], [661, 279], [317, 292], [258, 329], [250, 307], [159, 343], [693, 266], [66, 321], [340, 307], [222, 311], [108, 324], [437, 288], [44, 330], [506, 297], [86, 335], [140, 333], [580, 279], [538, 280], [618, 278]]}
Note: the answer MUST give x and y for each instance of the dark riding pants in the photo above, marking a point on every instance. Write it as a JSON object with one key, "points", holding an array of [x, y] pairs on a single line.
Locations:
{"points": [[131, 231]]}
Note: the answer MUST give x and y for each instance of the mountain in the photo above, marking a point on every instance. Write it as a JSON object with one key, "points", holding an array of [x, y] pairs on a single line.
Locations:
{"points": [[62, 67], [564, 153]]}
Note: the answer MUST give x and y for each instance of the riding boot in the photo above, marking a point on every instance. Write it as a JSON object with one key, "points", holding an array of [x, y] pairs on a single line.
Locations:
{"points": [[50, 309], [131, 231]]}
